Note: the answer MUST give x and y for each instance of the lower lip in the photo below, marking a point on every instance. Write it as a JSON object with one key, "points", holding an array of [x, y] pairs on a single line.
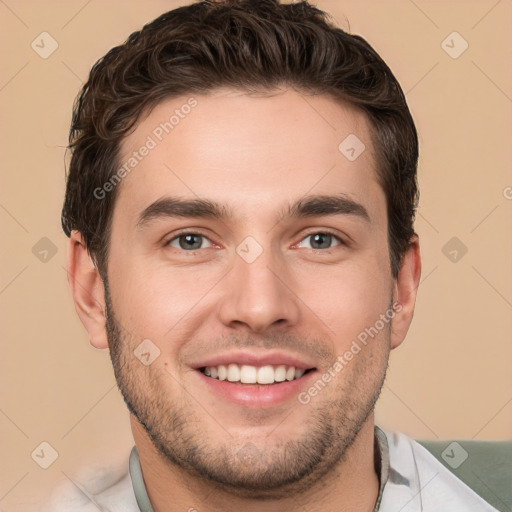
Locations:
{"points": [[258, 395]]}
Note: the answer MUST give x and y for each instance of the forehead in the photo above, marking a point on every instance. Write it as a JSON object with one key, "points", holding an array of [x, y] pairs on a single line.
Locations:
{"points": [[248, 151]]}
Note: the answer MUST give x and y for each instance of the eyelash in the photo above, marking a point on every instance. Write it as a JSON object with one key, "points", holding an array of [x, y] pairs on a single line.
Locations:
{"points": [[197, 233]]}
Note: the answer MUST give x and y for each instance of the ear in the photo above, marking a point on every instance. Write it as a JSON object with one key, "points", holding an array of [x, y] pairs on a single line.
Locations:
{"points": [[404, 292], [87, 290]]}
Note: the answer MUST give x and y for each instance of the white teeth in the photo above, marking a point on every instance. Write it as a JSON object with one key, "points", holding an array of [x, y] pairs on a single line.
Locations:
{"points": [[233, 373], [266, 375], [280, 373], [247, 374], [223, 373]]}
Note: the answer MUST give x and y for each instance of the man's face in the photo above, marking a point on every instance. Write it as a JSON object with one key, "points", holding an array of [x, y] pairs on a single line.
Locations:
{"points": [[258, 287]]}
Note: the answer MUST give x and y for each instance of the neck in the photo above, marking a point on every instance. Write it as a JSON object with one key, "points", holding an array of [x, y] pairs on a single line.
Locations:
{"points": [[352, 484]]}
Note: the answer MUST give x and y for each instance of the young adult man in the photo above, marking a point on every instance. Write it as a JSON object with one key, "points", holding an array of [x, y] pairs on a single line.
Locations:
{"points": [[240, 207]]}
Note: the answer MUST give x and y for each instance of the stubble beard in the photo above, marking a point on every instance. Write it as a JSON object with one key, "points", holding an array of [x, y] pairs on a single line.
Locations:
{"points": [[240, 468]]}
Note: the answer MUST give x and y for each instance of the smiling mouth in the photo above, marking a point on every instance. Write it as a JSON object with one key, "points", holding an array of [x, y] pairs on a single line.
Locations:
{"points": [[247, 374]]}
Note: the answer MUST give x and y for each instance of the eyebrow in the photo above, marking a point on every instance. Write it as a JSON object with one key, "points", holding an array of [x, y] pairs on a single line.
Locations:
{"points": [[320, 205], [309, 206]]}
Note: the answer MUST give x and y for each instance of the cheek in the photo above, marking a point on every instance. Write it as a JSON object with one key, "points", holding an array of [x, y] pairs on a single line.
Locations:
{"points": [[152, 301], [347, 300]]}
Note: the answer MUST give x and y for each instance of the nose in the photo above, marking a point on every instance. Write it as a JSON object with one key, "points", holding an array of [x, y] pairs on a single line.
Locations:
{"points": [[258, 295]]}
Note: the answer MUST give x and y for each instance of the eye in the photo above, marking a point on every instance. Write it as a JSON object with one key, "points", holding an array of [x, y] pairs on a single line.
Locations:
{"points": [[188, 241], [321, 240]]}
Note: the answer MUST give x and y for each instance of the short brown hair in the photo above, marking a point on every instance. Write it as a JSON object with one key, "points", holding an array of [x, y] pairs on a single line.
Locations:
{"points": [[250, 45]]}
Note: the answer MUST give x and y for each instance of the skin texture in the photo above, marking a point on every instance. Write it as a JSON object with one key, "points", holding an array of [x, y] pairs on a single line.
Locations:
{"points": [[254, 154]]}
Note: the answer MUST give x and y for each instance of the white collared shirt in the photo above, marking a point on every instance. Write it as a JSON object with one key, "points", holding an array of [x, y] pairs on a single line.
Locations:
{"points": [[411, 480]]}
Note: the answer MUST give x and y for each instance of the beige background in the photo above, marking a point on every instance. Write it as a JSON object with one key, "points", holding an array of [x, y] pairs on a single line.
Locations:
{"points": [[452, 376]]}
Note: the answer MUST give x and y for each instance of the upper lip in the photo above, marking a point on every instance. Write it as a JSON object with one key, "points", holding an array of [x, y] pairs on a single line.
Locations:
{"points": [[256, 359]]}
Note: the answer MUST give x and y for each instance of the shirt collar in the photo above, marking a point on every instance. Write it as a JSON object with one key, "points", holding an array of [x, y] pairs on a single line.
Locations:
{"points": [[381, 455], [138, 482]]}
